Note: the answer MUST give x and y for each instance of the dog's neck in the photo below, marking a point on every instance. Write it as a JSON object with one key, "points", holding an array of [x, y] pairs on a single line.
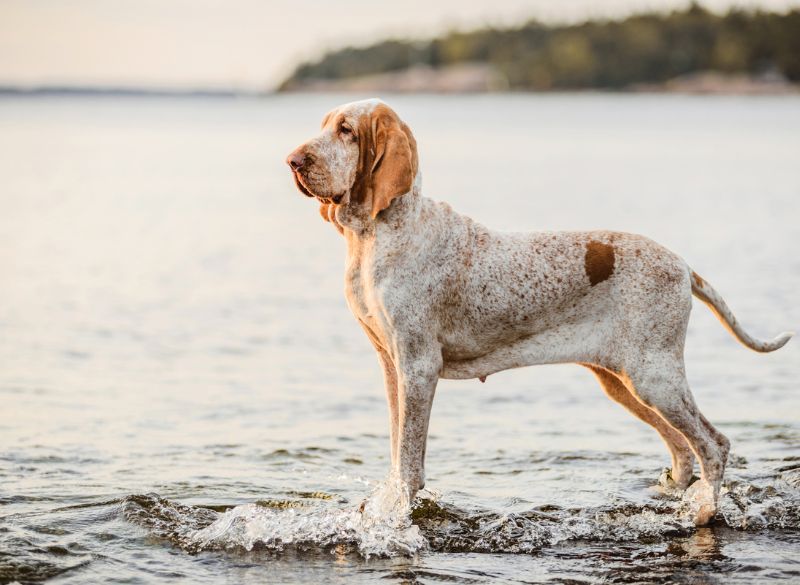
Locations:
{"points": [[357, 222]]}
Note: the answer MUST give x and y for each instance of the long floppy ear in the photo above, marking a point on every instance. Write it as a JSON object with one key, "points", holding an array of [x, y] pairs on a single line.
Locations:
{"points": [[395, 163]]}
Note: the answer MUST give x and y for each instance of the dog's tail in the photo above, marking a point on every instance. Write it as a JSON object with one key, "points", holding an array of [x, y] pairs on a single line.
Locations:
{"points": [[706, 293]]}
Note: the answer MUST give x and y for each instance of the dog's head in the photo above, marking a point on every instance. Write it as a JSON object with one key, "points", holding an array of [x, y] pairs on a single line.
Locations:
{"points": [[364, 156]]}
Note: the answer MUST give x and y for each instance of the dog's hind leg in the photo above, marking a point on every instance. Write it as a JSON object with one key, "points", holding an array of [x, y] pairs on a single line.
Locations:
{"points": [[682, 458], [659, 381]]}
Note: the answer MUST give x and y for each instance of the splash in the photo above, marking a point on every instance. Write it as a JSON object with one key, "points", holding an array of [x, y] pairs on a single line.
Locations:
{"points": [[381, 526], [388, 525], [770, 504]]}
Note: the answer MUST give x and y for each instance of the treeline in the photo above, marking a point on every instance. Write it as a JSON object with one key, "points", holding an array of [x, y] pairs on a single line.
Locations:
{"points": [[645, 48]]}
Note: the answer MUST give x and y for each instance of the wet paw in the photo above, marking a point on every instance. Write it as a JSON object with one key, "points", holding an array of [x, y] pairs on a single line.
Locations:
{"points": [[665, 480], [699, 501], [668, 484]]}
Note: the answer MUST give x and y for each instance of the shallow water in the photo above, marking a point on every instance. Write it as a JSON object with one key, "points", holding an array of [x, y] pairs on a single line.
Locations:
{"points": [[186, 397]]}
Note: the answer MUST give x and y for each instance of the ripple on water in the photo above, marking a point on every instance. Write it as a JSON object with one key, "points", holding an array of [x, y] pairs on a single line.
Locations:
{"points": [[24, 560]]}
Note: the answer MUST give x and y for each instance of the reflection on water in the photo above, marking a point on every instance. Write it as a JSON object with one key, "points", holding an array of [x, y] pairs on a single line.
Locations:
{"points": [[186, 397], [703, 545]]}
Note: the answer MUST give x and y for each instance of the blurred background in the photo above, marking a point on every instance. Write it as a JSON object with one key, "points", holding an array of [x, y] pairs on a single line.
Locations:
{"points": [[174, 341], [451, 46]]}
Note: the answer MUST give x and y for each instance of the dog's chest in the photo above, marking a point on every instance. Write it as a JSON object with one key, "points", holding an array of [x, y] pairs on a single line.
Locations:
{"points": [[362, 286], [356, 290], [381, 285]]}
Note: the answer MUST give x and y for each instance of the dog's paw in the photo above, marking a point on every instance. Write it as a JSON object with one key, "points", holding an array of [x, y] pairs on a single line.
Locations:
{"points": [[665, 481], [669, 487], [699, 502]]}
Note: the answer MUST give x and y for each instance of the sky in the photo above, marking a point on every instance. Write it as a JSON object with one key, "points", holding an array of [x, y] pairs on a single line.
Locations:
{"points": [[246, 44]]}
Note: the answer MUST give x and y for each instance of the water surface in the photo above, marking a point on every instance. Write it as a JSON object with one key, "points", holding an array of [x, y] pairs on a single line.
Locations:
{"points": [[185, 395]]}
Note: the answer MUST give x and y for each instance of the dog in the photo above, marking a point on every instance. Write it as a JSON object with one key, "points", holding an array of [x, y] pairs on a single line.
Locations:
{"points": [[441, 296]]}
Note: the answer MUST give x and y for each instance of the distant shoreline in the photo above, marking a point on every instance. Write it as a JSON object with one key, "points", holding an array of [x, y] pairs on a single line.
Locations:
{"points": [[477, 78], [102, 91], [700, 85]]}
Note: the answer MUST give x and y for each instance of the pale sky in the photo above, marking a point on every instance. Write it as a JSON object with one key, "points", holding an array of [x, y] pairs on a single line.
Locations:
{"points": [[244, 44]]}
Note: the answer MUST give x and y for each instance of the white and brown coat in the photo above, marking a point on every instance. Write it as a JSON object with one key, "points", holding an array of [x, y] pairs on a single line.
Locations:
{"points": [[441, 296]]}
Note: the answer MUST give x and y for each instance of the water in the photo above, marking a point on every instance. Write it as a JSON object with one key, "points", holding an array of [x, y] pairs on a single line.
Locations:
{"points": [[185, 395]]}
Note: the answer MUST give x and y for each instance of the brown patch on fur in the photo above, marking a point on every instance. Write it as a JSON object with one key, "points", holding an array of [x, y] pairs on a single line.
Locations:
{"points": [[599, 261], [699, 281]]}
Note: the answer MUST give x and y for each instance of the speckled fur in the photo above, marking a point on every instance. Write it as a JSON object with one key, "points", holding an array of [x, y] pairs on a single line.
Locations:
{"points": [[441, 296]]}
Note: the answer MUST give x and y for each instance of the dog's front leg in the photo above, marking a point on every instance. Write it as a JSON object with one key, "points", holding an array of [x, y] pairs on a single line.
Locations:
{"points": [[417, 378], [390, 382]]}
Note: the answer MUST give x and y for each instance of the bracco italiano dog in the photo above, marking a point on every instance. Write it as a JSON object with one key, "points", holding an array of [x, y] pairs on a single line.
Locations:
{"points": [[441, 296]]}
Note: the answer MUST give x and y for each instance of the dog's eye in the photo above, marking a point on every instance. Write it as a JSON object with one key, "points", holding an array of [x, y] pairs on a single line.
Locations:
{"points": [[346, 130]]}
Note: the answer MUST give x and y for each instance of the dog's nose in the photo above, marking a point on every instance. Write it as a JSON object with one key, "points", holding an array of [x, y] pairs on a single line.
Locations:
{"points": [[296, 160]]}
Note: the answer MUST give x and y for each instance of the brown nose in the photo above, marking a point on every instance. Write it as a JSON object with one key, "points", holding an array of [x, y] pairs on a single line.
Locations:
{"points": [[296, 160]]}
